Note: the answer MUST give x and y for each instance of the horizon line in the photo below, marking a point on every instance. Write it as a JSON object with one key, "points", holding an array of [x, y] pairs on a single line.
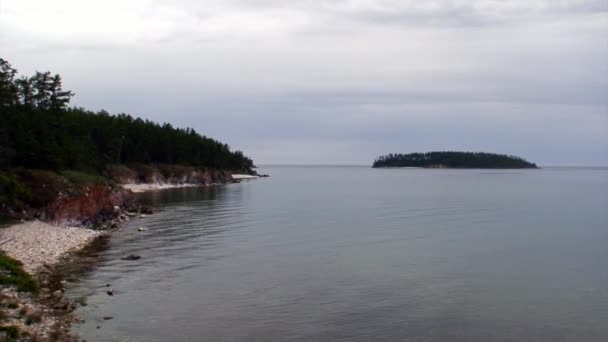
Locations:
{"points": [[369, 165]]}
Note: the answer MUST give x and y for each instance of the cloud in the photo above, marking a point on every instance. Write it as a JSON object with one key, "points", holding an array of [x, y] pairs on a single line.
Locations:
{"points": [[138, 21], [462, 13], [523, 77]]}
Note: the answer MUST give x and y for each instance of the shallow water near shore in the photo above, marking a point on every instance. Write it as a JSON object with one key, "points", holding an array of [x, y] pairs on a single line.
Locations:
{"points": [[360, 254]]}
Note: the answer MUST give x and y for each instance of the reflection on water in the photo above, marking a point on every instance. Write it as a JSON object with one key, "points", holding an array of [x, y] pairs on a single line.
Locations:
{"points": [[357, 254], [193, 194]]}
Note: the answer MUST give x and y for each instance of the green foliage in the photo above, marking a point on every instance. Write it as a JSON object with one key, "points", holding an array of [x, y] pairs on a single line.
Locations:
{"points": [[83, 179], [42, 186], [38, 131], [12, 274], [8, 88], [11, 331], [453, 160], [11, 190]]}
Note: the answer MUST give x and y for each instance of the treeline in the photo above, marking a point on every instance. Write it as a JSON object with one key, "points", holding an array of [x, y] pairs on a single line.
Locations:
{"points": [[39, 130], [453, 160]]}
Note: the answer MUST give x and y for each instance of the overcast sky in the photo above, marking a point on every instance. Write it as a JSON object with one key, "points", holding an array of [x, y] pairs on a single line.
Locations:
{"points": [[337, 82]]}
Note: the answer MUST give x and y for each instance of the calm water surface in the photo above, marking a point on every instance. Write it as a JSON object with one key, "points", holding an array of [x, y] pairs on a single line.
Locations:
{"points": [[357, 254]]}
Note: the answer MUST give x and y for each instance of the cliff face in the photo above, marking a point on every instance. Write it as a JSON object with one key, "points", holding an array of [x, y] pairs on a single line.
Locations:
{"points": [[93, 206], [72, 198], [167, 174], [97, 204]]}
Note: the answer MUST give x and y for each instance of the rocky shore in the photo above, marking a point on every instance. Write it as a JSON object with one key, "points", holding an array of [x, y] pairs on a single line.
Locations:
{"points": [[68, 224], [26, 317], [36, 243], [72, 222], [40, 313]]}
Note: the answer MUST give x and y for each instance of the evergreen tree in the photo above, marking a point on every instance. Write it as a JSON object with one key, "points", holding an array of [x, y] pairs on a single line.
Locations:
{"points": [[74, 138], [453, 160], [8, 90], [59, 99]]}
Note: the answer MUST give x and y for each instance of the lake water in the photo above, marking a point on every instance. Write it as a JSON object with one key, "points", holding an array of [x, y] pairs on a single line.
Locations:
{"points": [[360, 254]]}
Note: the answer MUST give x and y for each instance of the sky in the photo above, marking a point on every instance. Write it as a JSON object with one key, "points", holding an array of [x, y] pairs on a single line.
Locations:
{"points": [[336, 82]]}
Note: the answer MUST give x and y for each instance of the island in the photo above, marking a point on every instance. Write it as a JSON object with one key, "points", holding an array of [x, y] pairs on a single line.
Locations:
{"points": [[455, 160]]}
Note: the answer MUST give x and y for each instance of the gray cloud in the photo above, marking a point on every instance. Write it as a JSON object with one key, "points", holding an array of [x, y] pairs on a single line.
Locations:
{"points": [[336, 81]]}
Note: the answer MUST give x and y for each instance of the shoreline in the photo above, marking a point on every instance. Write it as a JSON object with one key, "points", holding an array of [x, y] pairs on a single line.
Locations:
{"points": [[237, 176], [38, 244], [42, 248], [145, 187]]}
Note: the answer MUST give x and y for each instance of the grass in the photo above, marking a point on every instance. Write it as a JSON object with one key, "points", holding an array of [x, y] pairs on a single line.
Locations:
{"points": [[82, 179], [11, 331], [12, 274]]}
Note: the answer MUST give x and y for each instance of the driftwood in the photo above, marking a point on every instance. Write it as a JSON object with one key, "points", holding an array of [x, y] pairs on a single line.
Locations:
{"points": [[5, 241]]}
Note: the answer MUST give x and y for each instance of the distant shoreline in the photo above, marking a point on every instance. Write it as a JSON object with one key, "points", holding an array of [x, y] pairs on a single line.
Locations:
{"points": [[459, 168]]}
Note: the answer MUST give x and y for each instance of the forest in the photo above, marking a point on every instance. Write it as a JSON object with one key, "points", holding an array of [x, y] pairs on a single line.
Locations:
{"points": [[450, 159], [39, 130]]}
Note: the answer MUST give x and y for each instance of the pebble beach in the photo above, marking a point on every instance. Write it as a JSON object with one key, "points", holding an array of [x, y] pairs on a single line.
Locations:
{"points": [[36, 243]]}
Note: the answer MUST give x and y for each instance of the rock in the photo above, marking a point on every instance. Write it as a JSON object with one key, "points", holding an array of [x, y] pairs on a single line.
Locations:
{"points": [[110, 292], [108, 285], [62, 305], [131, 257], [116, 208], [57, 294], [113, 224], [105, 318], [141, 229], [142, 216]]}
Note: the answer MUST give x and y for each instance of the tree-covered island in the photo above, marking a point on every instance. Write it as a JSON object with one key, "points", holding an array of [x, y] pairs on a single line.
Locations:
{"points": [[448, 159]]}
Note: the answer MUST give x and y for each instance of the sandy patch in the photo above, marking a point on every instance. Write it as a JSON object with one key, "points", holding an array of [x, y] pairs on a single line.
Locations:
{"points": [[243, 176], [143, 187]]}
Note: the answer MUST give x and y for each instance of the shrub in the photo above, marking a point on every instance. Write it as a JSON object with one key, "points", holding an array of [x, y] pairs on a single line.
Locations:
{"points": [[82, 179], [12, 274], [11, 190], [11, 331]]}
